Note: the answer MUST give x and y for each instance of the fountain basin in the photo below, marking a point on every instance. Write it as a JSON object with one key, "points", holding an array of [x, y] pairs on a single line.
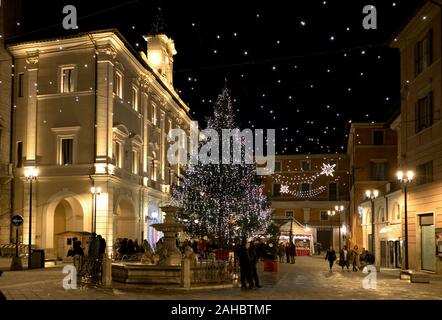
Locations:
{"points": [[135, 272]]}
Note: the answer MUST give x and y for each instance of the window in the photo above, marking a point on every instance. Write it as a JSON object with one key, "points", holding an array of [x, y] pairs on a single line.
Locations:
{"points": [[67, 150], [119, 84], [424, 112], [135, 161], [289, 214], [378, 137], [324, 216], [135, 98], [276, 189], [424, 173], [423, 53], [67, 79], [305, 165], [378, 171], [277, 166], [154, 115], [20, 85], [332, 191], [19, 154], [116, 155], [305, 187]]}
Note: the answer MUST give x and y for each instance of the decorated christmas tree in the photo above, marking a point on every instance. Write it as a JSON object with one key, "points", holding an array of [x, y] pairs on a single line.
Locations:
{"points": [[222, 201]]}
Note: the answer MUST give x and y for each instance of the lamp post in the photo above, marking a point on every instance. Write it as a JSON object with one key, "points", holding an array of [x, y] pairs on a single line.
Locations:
{"points": [[339, 209], [405, 181], [331, 214], [30, 175], [372, 195], [95, 192]]}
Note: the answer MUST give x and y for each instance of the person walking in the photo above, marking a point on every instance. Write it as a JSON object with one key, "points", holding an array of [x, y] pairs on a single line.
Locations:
{"points": [[331, 257], [281, 252], [253, 261], [355, 258], [245, 266], [343, 258]]}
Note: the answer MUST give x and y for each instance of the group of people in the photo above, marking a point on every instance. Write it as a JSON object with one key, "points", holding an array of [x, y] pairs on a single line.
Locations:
{"points": [[128, 247], [201, 247], [349, 257], [288, 251], [96, 247]]}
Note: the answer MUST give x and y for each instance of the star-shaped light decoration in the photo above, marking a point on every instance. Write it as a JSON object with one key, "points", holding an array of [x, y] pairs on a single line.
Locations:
{"points": [[328, 169], [284, 189]]}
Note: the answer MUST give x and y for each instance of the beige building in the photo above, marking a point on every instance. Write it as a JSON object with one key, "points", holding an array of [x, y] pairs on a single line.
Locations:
{"points": [[421, 134], [372, 152], [92, 112], [311, 195]]}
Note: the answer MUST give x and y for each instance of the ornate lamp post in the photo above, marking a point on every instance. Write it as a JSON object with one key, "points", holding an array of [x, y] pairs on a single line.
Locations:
{"points": [[95, 192], [372, 195], [405, 181], [339, 210], [31, 175], [331, 214]]}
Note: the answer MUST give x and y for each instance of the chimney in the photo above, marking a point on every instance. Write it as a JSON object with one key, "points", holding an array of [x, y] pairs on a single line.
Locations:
{"points": [[160, 52]]}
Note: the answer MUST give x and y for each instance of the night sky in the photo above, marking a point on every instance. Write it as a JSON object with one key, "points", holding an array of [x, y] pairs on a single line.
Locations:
{"points": [[304, 68]]}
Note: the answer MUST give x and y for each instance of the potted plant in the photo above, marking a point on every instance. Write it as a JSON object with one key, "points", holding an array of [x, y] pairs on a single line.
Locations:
{"points": [[271, 261]]}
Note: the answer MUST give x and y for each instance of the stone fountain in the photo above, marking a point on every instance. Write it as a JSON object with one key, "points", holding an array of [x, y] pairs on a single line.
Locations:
{"points": [[168, 252], [167, 266]]}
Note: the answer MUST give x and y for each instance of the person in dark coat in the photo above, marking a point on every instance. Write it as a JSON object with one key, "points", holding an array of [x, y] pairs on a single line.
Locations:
{"points": [[253, 261], [245, 266], [287, 253], [94, 246], [292, 249], [130, 248], [344, 256], [77, 247], [331, 257], [102, 250]]}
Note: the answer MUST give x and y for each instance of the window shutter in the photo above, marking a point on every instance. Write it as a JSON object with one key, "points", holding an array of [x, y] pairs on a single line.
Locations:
{"points": [[429, 48]]}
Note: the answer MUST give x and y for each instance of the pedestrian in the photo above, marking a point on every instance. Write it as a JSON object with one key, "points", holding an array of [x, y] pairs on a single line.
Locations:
{"points": [[78, 250], [245, 266], [292, 252], [355, 258], [102, 250], [331, 257], [130, 250], [363, 257], [253, 261], [136, 246], [281, 252], [343, 258], [287, 253], [94, 246]]}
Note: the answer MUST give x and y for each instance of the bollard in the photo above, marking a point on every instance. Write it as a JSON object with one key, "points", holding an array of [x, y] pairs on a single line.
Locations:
{"points": [[107, 271], [186, 273]]}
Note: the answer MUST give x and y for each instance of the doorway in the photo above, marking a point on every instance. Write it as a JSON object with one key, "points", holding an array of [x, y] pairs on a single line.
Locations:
{"points": [[428, 243], [324, 238]]}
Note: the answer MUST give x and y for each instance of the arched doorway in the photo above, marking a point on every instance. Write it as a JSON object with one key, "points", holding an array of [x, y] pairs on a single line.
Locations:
{"points": [[125, 223], [68, 216]]}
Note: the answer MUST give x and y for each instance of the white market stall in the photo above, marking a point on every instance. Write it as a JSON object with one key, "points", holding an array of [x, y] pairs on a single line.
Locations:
{"points": [[301, 236]]}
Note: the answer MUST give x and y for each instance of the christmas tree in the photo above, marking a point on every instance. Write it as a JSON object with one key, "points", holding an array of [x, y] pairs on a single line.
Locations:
{"points": [[222, 201]]}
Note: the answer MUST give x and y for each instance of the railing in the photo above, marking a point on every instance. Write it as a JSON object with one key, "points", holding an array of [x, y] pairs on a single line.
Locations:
{"points": [[89, 269], [211, 271]]}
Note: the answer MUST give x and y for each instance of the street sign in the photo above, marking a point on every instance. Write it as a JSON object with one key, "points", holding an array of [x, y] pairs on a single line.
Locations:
{"points": [[17, 220]]}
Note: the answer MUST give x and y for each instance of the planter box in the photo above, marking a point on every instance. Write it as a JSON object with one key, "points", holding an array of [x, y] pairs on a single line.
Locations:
{"points": [[271, 265]]}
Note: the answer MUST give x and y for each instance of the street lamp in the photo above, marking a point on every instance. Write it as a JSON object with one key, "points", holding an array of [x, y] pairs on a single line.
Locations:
{"points": [[405, 181], [339, 209], [95, 192], [331, 214], [31, 174], [372, 195]]}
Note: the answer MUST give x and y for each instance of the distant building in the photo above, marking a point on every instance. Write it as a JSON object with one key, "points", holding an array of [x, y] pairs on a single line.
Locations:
{"points": [[420, 46], [372, 152], [91, 112], [311, 194]]}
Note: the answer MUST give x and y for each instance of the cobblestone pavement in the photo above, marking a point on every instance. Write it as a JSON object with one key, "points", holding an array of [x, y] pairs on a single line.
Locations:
{"points": [[309, 278]]}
